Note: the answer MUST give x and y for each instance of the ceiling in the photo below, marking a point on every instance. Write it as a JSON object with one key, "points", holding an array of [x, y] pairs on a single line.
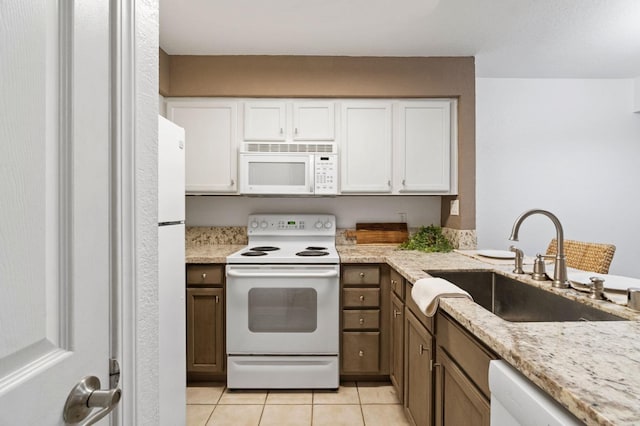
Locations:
{"points": [[509, 38]]}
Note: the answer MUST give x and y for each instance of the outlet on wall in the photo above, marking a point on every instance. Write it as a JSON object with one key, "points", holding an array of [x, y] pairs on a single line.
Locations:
{"points": [[455, 208]]}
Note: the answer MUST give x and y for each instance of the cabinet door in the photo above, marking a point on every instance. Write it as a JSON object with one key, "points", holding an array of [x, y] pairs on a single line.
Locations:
{"points": [[313, 121], [457, 399], [366, 147], [397, 284], [396, 367], [418, 377], [265, 121], [424, 146], [205, 350], [210, 144]]}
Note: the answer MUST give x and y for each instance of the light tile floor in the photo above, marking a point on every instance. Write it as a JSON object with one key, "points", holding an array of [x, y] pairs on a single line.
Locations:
{"points": [[353, 404]]}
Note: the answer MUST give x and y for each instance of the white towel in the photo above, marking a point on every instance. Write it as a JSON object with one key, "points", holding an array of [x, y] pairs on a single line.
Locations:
{"points": [[426, 292]]}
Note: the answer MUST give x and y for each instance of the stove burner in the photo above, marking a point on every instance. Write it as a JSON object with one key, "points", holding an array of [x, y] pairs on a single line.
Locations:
{"points": [[314, 248], [254, 253], [312, 253], [265, 248]]}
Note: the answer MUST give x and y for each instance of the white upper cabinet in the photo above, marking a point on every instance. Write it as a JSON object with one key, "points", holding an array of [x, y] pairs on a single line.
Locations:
{"points": [[385, 146], [265, 121], [281, 121], [365, 147], [423, 147], [210, 144], [313, 121]]}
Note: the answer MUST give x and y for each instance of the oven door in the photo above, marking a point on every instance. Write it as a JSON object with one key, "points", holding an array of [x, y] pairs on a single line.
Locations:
{"points": [[282, 309], [273, 174]]}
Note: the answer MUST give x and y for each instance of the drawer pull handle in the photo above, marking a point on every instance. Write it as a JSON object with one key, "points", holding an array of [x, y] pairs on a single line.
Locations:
{"points": [[217, 299], [361, 320], [361, 353], [362, 298], [204, 275], [396, 313], [421, 349], [361, 274]]}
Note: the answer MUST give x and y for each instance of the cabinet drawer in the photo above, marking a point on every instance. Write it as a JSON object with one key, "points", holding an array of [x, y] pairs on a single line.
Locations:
{"points": [[472, 358], [361, 319], [204, 275], [397, 284], [361, 297], [358, 275], [360, 352]]}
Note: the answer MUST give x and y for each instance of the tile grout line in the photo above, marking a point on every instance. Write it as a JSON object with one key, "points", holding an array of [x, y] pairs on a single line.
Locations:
{"points": [[264, 404], [210, 415], [360, 404], [313, 395]]}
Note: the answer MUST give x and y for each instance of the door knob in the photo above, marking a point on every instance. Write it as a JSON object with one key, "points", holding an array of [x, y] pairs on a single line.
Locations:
{"points": [[84, 397]]}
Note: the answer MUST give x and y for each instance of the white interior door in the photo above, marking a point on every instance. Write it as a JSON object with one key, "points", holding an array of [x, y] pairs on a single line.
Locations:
{"points": [[55, 209]]}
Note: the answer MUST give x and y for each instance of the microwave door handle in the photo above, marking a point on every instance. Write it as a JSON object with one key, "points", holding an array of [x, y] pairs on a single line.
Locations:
{"points": [[312, 172], [263, 274]]}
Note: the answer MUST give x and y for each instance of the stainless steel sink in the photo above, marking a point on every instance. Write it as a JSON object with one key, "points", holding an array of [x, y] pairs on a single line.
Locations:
{"points": [[516, 301]]}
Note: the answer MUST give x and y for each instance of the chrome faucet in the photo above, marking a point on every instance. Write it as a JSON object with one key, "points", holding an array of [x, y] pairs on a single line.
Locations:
{"points": [[560, 279]]}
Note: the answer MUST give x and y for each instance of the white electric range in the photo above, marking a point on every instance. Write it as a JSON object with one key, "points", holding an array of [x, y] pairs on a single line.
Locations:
{"points": [[282, 296]]}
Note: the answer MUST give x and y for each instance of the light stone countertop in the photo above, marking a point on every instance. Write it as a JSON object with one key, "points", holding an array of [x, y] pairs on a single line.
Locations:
{"points": [[210, 253], [591, 368]]}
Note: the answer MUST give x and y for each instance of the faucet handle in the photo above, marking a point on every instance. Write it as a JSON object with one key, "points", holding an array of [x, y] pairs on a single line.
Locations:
{"points": [[597, 287], [518, 259], [539, 272]]}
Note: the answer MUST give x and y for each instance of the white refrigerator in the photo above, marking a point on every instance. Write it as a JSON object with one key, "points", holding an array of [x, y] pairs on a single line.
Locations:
{"points": [[171, 258]]}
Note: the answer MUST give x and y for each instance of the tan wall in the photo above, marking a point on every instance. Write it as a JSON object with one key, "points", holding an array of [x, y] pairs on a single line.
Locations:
{"points": [[327, 76], [164, 73]]}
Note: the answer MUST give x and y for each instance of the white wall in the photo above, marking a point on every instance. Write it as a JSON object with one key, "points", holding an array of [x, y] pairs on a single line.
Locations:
{"points": [[233, 210], [568, 146], [636, 95]]}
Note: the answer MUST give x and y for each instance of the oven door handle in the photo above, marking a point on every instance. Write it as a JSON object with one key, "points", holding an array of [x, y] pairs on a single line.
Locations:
{"points": [[283, 274]]}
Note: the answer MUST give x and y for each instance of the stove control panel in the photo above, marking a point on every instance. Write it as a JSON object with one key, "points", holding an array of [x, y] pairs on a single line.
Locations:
{"points": [[293, 224]]}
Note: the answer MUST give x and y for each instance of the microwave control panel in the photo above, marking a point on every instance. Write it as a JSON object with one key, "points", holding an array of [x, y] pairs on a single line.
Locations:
{"points": [[326, 174]]}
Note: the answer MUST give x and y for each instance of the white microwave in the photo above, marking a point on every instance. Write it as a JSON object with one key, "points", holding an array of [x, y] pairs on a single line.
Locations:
{"points": [[288, 173]]}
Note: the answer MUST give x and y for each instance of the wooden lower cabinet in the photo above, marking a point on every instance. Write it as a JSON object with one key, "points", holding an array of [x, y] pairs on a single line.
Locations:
{"points": [[418, 378], [457, 400], [205, 330], [396, 355], [462, 380], [364, 351]]}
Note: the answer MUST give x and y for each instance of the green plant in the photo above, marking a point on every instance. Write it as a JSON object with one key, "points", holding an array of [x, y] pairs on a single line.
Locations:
{"points": [[429, 239]]}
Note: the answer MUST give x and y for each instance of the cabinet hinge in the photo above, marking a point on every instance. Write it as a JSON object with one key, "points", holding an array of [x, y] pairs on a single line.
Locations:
{"points": [[114, 373]]}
